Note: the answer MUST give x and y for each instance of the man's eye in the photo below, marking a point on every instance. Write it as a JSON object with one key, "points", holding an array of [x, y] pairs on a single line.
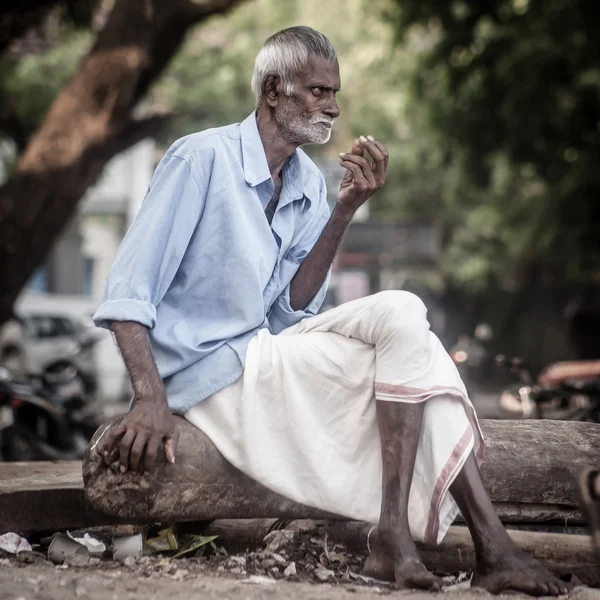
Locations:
{"points": [[317, 91]]}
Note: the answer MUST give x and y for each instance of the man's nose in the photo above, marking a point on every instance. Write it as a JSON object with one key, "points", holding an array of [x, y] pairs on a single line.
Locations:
{"points": [[332, 110]]}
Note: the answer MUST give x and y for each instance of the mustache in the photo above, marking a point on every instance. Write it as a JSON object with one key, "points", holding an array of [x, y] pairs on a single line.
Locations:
{"points": [[327, 120]]}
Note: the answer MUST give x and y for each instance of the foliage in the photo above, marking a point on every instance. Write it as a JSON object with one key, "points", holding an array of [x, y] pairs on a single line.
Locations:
{"points": [[489, 110], [33, 80], [511, 89]]}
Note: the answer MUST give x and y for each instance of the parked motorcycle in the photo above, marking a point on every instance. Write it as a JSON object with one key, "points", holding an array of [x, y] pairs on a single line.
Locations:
{"points": [[42, 420], [575, 399]]}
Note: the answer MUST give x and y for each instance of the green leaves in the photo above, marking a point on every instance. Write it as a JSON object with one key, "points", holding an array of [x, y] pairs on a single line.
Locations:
{"points": [[511, 89]]}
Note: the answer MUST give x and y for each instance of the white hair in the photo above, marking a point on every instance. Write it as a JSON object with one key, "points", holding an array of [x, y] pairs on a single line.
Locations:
{"points": [[286, 53]]}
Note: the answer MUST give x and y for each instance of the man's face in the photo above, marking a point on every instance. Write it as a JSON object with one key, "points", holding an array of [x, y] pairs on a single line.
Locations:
{"points": [[307, 115]]}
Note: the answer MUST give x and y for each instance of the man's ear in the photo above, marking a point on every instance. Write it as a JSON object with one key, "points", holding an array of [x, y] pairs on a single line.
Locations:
{"points": [[272, 89]]}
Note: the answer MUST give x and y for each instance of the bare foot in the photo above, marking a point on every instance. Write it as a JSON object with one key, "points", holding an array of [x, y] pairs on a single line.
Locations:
{"points": [[513, 570], [408, 573]]}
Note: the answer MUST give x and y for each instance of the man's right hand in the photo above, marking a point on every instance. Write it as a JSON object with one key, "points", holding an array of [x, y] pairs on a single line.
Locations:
{"points": [[134, 443]]}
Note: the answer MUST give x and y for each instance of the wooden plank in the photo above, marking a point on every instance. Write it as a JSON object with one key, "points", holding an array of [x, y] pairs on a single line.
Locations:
{"points": [[45, 496]]}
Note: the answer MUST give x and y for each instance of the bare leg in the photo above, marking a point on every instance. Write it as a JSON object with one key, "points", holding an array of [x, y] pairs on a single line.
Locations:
{"points": [[501, 565], [399, 428]]}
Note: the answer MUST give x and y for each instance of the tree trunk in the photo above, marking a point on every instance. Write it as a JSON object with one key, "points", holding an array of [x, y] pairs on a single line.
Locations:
{"points": [[89, 122], [530, 472]]}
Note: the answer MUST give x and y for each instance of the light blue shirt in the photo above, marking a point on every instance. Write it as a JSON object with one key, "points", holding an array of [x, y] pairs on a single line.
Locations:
{"points": [[200, 266]]}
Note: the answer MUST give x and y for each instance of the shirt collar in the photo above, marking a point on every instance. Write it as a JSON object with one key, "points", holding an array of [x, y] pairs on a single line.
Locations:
{"points": [[256, 168]]}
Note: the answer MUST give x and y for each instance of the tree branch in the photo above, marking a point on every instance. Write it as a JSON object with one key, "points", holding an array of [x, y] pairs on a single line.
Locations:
{"points": [[198, 11], [11, 123], [16, 18], [135, 131]]}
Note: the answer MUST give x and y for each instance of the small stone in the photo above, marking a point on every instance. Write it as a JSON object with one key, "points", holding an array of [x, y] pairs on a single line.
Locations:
{"points": [[290, 570], [180, 574], [323, 574], [275, 573], [278, 539], [235, 561], [338, 557], [268, 563], [278, 559], [129, 561]]}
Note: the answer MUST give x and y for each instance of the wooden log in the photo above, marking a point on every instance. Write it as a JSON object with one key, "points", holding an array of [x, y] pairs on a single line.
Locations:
{"points": [[530, 472], [200, 486]]}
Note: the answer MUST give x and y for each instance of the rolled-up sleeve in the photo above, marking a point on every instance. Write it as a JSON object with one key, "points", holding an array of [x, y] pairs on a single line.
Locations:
{"points": [[282, 315], [153, 248]]}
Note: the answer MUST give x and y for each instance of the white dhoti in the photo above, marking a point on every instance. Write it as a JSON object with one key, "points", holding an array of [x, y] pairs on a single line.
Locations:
{"points": [[301, 419]]}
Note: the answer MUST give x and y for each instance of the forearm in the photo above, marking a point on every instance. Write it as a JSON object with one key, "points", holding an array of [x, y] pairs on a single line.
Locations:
{"points": [[314, 268], [134, 343]]}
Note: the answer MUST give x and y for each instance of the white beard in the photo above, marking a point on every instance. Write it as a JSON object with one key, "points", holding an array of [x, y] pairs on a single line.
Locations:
{"points": [[299, 130]]}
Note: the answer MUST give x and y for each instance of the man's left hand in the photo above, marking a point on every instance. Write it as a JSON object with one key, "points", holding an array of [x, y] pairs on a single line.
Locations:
{"points": [[362, 178]]}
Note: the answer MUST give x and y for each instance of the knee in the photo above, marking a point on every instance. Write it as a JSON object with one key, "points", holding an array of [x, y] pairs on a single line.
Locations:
{"points": [[402, 311], [400, 303]]}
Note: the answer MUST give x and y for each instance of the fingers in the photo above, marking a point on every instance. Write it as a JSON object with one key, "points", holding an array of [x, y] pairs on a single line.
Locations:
{"points": [[357, 148], [110, 443], [125, 449], [381, 148], [171, 446], [379, 160], [364, 166], [358, 177], [377, 151], [137, 450], [151, 454]]}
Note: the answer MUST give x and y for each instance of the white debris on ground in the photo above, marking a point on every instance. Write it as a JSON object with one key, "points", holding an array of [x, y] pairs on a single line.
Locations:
{"points": [[13, 543]]}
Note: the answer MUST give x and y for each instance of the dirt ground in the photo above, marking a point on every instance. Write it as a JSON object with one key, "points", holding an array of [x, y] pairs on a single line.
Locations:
{"points": [[43, 582], [166, 579]]}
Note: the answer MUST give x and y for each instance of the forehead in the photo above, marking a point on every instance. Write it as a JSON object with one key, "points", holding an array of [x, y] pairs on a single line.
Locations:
{"points": [[320, 71]]}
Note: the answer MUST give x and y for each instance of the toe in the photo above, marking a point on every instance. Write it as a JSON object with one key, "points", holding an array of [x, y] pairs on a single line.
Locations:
{"points": [[543, 589], [563, 588], [553, 589]]}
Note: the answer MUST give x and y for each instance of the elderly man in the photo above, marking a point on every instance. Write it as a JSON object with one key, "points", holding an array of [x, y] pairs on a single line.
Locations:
{"points": [[213, 300]]}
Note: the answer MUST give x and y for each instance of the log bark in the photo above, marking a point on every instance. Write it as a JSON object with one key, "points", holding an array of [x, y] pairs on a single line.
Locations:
{"points": [[90, 121], [530, 472]]}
